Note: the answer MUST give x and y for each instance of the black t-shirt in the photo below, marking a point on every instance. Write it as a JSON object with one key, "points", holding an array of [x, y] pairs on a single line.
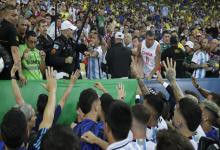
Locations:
{"points": [[118, 60], [8, 35], [178, 55], [21, 40]]}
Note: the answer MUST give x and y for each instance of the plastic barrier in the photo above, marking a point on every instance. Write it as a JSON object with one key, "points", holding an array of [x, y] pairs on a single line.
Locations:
{"points": [[31, 91]]}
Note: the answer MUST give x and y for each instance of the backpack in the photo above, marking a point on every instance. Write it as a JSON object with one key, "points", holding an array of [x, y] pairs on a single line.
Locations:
{"points": [[206, 143]]}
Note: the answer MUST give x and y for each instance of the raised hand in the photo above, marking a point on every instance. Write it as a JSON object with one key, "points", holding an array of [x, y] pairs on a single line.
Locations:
{"points": [[134, 68], [99, 86], [121, 91], [42, 54], [170, 68], [194, 82], [75, 76], [51, 80]]}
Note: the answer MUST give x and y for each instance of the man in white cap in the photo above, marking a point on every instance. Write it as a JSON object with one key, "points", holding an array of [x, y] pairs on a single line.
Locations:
{"points": [[189, 47], [64, 55], [118, 58]]}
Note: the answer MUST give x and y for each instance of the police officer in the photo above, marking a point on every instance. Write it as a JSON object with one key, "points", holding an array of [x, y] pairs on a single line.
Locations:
{"points": [[44, 41], [64, 56], [9, 40]]}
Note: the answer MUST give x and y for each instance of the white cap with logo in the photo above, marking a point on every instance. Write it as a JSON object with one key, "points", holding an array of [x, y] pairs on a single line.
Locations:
{"points": [[119, 35], [68, 25], [190, 44]]}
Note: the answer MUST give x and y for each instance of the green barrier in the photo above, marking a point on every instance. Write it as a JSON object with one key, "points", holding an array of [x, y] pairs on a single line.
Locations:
{"points": [[31, 91]]}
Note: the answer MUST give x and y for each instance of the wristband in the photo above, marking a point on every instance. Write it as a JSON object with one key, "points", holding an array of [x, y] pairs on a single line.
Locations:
{"points": [[165, 84], [14, 77]]}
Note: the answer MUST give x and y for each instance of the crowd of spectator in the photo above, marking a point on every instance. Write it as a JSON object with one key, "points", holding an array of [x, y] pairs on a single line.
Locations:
{"points": [[74, 40], [187, 32]]}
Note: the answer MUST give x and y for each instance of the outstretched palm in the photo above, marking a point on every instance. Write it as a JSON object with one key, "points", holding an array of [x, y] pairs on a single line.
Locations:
{"points": [[170, 68]]}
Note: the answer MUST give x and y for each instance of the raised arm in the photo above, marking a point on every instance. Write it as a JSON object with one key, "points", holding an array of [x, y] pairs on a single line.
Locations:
{"points": [[99, 86], [73, 80], [170, 68], [15, 88], [157, 65], [205, 93], [121, 91], [136, 73], [51, 87]]}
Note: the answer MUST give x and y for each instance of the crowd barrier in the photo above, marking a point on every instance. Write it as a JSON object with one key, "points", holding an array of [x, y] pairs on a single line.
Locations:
{"points": [[31, 91]]}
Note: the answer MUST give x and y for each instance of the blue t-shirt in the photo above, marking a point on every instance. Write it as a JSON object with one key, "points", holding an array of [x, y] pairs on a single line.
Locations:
{"points": [[213, 134], [2, 146], [89, 125], [37, 142], [39, 118]]}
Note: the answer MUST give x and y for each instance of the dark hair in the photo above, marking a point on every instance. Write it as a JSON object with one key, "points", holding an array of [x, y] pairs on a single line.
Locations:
{"points": [[60, 137], [140, 113], [189, 92], [150, 34], [191, 112], [30, 33], [135, 37], [165, 32], [41, 21], [47, 15], [41, 103], [106, 101], [216, 98], [9, 7], [156, 102], [86, 99], [172, 140], [14, 128], [173, 40], [119, 120]]}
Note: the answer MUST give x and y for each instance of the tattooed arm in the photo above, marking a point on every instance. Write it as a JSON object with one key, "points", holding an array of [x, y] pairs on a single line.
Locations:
{"points": [[171, 76]]}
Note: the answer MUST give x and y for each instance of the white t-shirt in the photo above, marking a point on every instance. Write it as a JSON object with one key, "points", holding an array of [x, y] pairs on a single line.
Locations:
{"points": [[199, 133], [200, 57], [152, 132], [194, 143], [125, 144], [144, 144], [149, 57], [2, 64]]}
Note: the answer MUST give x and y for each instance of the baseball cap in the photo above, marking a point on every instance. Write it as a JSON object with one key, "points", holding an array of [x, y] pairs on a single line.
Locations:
{"points": [[68, 25], [190, 44], [119, 35]]}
